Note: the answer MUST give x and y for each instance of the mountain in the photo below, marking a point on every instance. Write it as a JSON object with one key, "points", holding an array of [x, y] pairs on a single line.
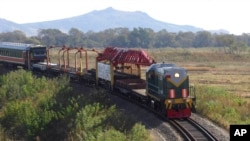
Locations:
{"points": [[7, 26], [98, 21], [111, 18]]}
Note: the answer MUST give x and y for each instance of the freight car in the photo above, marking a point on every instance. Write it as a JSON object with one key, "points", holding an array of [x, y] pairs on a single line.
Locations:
{"points": [[19, 54]]}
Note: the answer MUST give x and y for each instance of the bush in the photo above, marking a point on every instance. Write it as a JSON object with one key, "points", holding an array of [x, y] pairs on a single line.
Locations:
{"points": [[138, 133], [93, 124], [27, 103]]}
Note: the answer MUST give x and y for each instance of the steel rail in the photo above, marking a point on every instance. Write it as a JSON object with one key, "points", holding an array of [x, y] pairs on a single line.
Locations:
{"points": [[192, 131]]}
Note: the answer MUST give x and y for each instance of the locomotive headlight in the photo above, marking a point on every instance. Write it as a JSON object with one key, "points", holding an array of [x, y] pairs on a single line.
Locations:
{"points": [[177, 75]]}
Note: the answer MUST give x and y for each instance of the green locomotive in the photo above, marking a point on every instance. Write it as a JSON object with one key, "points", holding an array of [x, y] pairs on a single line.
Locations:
{"points": [[168, 90]]}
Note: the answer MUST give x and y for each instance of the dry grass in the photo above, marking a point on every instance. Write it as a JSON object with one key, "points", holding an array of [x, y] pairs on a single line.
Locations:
{"points": [[233, 77]]}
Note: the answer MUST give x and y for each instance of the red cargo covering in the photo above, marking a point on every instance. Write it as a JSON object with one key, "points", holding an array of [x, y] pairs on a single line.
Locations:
{"points": [[124, 55]]}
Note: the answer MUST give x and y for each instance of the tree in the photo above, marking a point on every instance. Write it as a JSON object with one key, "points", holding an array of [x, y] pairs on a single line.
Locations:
{"points": [[164, 39], [245, 38], [238, 47], [121, 37], [52, 37], [224, 40], [185, 39], [203, 39], [141, 37], [76, 37], [15, 36]]}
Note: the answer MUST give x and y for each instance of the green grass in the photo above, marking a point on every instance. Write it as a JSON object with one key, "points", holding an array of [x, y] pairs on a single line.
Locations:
{"points": [[221, 106]]}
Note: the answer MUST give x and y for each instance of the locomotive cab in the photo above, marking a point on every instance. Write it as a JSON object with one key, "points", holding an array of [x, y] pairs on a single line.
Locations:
{"points": [[168, 90]]}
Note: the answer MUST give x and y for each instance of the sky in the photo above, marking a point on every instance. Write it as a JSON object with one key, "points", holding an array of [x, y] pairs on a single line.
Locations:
{"points": [[231, 15]]}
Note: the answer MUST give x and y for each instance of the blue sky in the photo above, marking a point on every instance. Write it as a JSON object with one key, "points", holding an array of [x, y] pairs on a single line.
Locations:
{"points": [[232, 15]]}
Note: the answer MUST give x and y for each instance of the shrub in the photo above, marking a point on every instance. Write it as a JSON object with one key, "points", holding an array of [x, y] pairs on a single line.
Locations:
{"points": [[27, 103], [93, 124], [138, 133]]}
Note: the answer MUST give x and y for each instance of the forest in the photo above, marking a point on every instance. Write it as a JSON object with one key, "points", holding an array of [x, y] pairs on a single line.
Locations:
{"points": [[123, 37]]}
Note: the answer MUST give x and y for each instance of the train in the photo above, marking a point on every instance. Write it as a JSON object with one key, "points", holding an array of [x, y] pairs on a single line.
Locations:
{"points": [[164, 89]]}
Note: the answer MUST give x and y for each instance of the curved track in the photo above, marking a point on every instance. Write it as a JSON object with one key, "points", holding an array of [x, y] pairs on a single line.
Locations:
{"points": [[192, 131]]}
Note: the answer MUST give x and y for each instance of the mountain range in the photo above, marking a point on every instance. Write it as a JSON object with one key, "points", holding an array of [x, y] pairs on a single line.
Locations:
{"points": [[98, 21]]}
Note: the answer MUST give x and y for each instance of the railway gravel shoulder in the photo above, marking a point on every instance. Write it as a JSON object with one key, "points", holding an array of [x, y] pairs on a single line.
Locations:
{"points": [[220, 133]]}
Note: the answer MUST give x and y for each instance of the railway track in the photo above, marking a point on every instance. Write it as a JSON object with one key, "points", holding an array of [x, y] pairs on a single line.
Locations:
{"points": [[192, 131]]}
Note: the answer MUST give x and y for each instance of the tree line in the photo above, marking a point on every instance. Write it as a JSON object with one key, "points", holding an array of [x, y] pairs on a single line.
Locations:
{"points": [[123, 37]]}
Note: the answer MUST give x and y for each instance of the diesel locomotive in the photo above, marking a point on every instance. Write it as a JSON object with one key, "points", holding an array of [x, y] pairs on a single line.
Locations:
{"points": [[169, 91]]}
